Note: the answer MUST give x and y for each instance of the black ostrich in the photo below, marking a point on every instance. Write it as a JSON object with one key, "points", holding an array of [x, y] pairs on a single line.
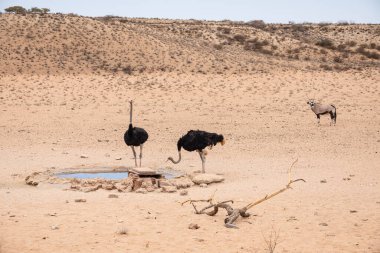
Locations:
{"points": [[198, 140], [135, 137]]}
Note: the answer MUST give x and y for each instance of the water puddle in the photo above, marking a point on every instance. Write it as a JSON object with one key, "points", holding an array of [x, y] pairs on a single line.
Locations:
{"points": [[93, 175]]}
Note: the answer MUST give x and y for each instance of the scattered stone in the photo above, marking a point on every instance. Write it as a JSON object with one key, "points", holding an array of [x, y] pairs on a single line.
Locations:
{"points": [[113, 196], [353, 211], [122, 230], [34, 178], [203, 185], [80, 200], [164, 182], [182, 182], [108, 187], [183, 192], [54, 227], [323, 181], [118, 158], [194, 226], [141, 190], [207, 178], [169, 189], [83, 156], [292, 218], [150, 189], [323, 224], [90, 189]]}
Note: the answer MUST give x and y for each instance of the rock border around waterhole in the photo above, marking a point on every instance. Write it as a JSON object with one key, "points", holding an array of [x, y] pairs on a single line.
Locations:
{"points": [[133, 183]]}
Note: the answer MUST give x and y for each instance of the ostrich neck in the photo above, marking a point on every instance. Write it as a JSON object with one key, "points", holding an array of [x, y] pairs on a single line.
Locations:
{"points": [[130, 114]]}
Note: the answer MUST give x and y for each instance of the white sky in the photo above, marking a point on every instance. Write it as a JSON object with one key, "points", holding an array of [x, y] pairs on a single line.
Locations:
{"points": [[271, 11]]}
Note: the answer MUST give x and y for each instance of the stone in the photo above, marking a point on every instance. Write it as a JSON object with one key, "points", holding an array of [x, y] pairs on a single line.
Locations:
{"points": [[207, 178], [193, 226], [88, 189], [83, 156], [108, 187], [164, 182], [182, 182], [150, 189], [169, 189], [80, 200], [141, 190], [113, 196], [203, 185], [183, 192]]}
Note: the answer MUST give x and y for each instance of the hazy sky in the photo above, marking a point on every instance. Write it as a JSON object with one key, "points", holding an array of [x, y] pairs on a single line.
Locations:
{"points": [[273, 11]]}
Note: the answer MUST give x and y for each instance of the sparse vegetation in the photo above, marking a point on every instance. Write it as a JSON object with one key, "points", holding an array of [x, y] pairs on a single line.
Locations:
{"points": [[240, 38], [90, 52], [272, 240], [327, 43], [22, 10], [259, 24]]}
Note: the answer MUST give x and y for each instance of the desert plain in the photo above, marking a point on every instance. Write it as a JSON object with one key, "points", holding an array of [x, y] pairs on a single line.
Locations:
{"points": [[65, 83]]}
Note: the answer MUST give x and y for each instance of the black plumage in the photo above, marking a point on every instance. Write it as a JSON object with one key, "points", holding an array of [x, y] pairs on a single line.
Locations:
{"points": [[196, 140], [135, 136]]}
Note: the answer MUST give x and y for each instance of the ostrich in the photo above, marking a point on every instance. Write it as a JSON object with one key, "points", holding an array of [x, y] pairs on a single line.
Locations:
{"points": [[135, 136], [198, 140], [321, 109]]}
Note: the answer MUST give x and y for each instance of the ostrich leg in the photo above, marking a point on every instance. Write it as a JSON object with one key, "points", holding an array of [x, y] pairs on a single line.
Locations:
{"points": [[141, 146], [134, 154], [203, 158]]}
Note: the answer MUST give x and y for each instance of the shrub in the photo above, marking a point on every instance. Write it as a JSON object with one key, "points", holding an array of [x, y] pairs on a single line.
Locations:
{"points": [[224, 30], [341, 47], [337, 59], [351, 43], [128, 70], [240, 38], [259, 24], [326, 67], [299, 28], [218, 46], [324, 42]]}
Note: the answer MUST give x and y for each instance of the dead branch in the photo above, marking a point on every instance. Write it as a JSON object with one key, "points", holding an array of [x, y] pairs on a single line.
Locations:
{"points": [[234, 213]]}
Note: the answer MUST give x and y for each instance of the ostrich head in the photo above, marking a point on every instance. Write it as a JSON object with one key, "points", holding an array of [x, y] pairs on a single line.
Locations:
{"points": [[218, 138]]}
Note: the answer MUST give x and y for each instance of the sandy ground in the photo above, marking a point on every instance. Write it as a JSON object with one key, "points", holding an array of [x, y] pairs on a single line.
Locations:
{"points": [[47, 122]]}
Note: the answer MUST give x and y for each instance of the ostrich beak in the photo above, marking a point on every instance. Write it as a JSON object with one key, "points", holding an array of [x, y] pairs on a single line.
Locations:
{"points": [[223, 142]]}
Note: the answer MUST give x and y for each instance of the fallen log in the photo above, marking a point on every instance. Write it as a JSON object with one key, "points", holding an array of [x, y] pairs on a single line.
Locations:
{"points": [[234, 213]]}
